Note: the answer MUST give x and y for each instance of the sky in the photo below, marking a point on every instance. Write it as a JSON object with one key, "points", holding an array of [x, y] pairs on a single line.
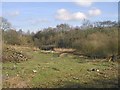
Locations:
{"points": [[35, 16]]}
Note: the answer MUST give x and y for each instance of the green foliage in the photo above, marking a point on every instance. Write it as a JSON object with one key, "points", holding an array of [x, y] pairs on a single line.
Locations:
{"points": [[99, 42], [14, 37], [11, 37]]}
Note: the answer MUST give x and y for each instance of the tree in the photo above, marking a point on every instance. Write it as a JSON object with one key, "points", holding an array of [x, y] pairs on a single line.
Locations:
{"points": [[63, 27], [28, 32], [11, 37], [20, 31], [99, 41], [4, 24], [86, 24]]}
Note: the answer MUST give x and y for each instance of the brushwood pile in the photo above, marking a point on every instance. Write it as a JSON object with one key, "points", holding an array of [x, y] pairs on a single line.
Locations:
{"points": [[12, 55]]}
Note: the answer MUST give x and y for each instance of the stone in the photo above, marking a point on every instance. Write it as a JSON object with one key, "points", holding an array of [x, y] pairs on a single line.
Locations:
{"points": [[34, 71], [98, 70], [75, 78]]}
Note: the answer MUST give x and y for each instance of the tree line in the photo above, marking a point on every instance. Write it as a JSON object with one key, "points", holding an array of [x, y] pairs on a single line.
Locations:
{"points": [[94, 39]]}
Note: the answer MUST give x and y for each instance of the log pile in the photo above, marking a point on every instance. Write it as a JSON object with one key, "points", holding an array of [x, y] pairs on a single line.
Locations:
{"points": [[10, 54]]}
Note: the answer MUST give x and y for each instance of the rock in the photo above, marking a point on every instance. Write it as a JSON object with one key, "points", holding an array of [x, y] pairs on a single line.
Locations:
{"points": [[75, 78], [98, 70], [14, 66], [21, 55], [34, 71]]}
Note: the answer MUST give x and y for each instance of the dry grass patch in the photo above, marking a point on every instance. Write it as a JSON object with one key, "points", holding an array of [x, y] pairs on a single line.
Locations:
{"points": [[64, 50]]}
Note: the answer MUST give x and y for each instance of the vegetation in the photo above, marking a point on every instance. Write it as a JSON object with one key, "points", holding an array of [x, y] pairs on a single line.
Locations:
{"points": [[96, 40], [64, 56], [50, 70]]}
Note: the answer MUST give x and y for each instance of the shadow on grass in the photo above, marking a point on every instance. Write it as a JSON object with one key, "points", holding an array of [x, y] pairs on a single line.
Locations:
{"points": [[96, 83], [100, 84]]}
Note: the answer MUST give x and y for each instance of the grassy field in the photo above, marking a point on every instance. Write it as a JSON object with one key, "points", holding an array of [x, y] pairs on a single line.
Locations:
{"points": [[48, 70]]}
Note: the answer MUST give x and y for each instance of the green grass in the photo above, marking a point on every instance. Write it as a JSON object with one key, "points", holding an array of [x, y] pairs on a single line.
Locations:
{"points": [[68, 71]]}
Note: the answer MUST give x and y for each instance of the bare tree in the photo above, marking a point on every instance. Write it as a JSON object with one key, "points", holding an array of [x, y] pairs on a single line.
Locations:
{"points": [[4, 24], [86, 24]]}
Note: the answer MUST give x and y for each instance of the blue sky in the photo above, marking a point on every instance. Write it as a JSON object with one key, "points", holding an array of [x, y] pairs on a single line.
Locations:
{"points": [[38, 15]]}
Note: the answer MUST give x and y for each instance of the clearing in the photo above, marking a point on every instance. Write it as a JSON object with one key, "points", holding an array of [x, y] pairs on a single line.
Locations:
{"points": [[50, 70]]}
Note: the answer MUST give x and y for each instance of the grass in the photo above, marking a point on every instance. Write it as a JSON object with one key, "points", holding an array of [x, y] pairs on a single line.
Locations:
{"points": [[55, 72]]}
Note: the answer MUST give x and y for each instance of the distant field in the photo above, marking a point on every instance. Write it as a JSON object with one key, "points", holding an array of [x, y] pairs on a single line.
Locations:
{"points": [[49, 70]]}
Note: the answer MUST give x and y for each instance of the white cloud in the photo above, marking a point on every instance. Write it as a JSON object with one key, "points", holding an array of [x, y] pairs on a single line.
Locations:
{"points": [[15, 13], [79, 16], [84, 3], [94, 12], [63, 14]]}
